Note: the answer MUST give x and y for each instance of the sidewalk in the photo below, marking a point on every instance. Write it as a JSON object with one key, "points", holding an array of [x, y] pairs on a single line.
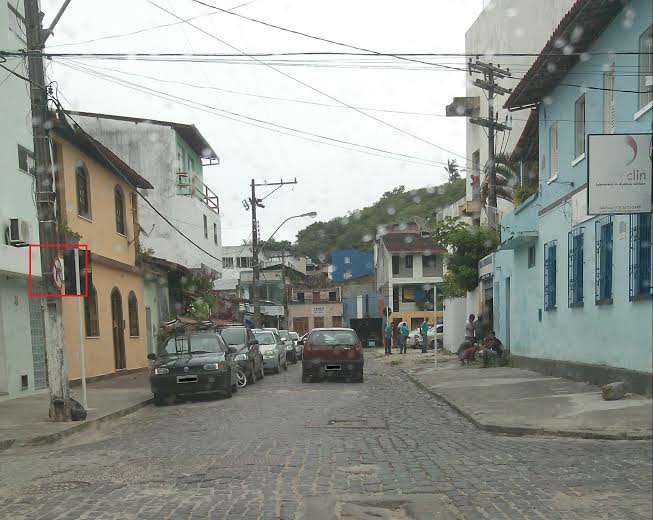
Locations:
{"points": [[519, 402], [24, 421]]}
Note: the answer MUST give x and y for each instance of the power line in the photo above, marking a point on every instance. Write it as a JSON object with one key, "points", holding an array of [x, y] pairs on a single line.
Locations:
{"points": [[146, 29], [385, 123], [190, 103], [291, 100]]}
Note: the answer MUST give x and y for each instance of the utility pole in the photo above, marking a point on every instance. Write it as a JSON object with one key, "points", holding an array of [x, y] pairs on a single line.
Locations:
{"points": [[255, 202], [490, 73], [45, 205]]}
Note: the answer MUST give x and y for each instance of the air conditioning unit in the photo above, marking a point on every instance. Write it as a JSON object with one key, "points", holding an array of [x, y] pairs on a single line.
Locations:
{"points": [[19, 232]]}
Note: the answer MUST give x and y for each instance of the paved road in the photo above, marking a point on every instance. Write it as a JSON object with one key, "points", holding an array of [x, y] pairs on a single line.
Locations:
{"points": [[280, 449]]}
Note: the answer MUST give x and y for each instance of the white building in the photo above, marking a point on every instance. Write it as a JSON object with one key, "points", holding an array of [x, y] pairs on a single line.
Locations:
{"points": [[504, 27], [169, 155], [407, 266], [22, 341]]}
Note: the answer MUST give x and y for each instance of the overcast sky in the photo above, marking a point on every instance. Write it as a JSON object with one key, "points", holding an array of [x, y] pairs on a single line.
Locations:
{"points": [[331, 180]]}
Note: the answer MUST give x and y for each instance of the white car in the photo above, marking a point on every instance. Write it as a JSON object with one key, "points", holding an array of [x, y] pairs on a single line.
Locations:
{"points": [[273, 350], [435, 334]]}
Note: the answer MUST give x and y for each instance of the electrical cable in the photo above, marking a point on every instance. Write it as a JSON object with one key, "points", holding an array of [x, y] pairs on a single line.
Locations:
{"points": [[190, 103], [381, 121]]}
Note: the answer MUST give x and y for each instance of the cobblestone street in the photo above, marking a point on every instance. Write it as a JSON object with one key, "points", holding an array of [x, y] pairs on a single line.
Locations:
{"points": [[283, 449]]}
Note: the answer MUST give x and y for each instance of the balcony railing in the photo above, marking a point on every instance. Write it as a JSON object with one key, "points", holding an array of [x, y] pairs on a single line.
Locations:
{"points": [[191, 184]]}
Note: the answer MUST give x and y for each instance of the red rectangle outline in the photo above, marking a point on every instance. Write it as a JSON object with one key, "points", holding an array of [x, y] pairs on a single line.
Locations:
{"points": [[63, 246]]}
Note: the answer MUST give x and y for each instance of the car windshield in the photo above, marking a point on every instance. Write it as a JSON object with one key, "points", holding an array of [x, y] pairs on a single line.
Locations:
{"points": [[284, 334], [234, 335], [294, 335], [265, 338], [333, 337], [193, 344]]}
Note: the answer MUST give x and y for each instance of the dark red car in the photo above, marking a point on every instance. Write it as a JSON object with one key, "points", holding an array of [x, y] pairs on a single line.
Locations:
{"points": [[336, 351]]}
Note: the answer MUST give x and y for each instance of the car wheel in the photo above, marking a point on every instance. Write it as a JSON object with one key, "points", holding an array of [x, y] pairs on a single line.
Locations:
{"points": [[241, 379], [234, 386], [162, 400], [251, 377], [228, 391], [262, 373]]}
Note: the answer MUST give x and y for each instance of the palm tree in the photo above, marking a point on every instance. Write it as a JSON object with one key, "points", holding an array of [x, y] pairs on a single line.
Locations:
{"points": [[452, 170], [507, 171]]}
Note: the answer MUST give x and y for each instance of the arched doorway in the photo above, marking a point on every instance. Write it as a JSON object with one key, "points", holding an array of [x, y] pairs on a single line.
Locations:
{"points": [[118, 330]]}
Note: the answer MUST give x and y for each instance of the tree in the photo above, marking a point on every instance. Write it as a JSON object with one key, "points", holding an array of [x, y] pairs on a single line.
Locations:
{"points": [[467, 246], [452, 170], [507, 171]]}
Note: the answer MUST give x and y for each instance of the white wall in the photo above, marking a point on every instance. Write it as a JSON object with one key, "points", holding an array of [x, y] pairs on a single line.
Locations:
{"points": [[455, 314], [505, 26], [151, 150]]}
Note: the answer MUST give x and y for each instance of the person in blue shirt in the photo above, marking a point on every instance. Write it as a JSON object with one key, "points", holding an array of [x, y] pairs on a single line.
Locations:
{"points": [[424, 330]]}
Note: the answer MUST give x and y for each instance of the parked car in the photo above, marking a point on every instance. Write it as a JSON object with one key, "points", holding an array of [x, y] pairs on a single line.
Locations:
{"points": [[298, 347], [290, 346], [197, 362], [273, 349], [435, 334], [248, 357], [332, 351]]}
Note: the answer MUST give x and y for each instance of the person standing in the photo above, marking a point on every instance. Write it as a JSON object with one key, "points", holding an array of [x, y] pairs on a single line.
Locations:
{"points": [[469, 328], [388, 338], [403, 332], [424, 329]]}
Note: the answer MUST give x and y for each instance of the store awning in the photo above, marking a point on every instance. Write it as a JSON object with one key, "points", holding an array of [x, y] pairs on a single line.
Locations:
{"points": [[519, 240]]}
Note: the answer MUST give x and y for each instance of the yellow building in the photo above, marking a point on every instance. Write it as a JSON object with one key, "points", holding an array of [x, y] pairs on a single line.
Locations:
{"points": [[97, 199]]}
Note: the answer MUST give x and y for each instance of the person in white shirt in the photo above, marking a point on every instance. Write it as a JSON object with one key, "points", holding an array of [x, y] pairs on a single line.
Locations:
{"points": [[469, 328]]}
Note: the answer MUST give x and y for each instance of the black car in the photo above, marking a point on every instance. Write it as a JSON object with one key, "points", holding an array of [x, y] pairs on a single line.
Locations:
{"points": [[248, 356], [198, 362]]}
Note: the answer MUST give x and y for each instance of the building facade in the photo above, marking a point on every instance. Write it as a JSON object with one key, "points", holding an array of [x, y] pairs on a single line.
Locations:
{"points": [[22, 341], [573, 290], [350, 263], [96, 199], [310, 308], [169, 155], [408, 267]]}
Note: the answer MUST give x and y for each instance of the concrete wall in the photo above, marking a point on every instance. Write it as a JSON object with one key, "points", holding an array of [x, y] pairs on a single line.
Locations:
{"points": [[455, 314], [151, 150], [614, 335], [507, 26]]}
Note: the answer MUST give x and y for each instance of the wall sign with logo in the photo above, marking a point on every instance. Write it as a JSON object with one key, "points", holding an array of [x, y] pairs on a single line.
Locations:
{"points": [[486, 267], [619, 174], [319, 310]]}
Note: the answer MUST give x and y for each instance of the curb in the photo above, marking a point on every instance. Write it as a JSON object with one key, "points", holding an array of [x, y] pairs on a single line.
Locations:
{"points": [[522, 431], [50, 438]]}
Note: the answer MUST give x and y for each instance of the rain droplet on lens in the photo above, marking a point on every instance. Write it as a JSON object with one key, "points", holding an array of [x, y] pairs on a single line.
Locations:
{"points": [[391, 211], [367, 238]]}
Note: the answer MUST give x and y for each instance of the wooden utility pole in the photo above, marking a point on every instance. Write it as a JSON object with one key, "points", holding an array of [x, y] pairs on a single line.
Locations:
{"points": [[255, 202], [490, 73], [45, 205]]}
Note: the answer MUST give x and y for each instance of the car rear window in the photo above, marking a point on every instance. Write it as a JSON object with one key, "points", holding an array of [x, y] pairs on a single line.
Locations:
{"points": [[333, 337], [265, 338], [294, 335], [284, 334], [234, 335]]}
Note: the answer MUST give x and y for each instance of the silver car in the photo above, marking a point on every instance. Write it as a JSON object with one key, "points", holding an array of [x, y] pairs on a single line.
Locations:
{"points": [[273, 350]]}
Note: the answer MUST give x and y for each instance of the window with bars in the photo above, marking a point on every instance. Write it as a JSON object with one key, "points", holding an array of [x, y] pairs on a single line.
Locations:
{"points": [[646, 67], [575, 268], [553, 151], [639, 265], [215, 233], [550, 275], [608, 101], [579, 126], [531, 256], [244, 261], [119, 198], [206, 226], [228, 262], [603, 260]]}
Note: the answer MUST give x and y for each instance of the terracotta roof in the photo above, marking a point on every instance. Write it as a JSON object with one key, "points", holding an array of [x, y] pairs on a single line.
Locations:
{"points": [[100, 153], [577, 30], [410, 243], [188, 133]]}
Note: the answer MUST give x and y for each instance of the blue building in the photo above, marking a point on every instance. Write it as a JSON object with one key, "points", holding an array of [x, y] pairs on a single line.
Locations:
{"points": [[350, 263], [573, 291]]}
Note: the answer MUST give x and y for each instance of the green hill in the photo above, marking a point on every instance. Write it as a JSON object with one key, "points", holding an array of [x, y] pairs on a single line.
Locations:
{"points": [[357, 229]]}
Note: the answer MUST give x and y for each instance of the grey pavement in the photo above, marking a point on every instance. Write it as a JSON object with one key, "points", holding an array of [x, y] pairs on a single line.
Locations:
{"points": [[280, 449], [510, 400], [24, 421]]}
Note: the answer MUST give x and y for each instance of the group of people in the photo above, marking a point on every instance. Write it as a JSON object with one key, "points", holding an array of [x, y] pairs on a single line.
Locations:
{"points": [[477, 341], [402, 336]]}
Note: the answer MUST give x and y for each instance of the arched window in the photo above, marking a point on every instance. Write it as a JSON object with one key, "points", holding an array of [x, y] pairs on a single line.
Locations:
{"points": [[120, 210], [133, 314], [91, 319], [83, 190]]}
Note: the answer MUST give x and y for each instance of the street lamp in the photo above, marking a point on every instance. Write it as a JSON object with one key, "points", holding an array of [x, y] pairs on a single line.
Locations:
{"points": [[257, 267]]}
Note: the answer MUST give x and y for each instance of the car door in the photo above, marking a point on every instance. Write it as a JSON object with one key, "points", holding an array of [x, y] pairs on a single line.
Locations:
{"points": [[228, 358], [281, 347], [254, 351]]}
